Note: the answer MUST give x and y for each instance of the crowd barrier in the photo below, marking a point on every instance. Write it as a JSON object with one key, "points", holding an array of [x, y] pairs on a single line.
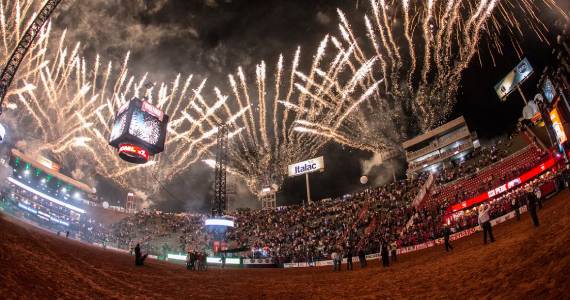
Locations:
{"points": [[118, 249]]}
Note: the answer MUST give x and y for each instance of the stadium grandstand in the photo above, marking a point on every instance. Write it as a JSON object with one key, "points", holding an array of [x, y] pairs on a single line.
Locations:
{"points": [[38, 192]]}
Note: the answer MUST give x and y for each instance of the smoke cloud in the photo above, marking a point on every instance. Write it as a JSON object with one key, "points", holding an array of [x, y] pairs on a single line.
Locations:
{"points": [[381, 171], [143, 199], [368, 164], [243, 197]]}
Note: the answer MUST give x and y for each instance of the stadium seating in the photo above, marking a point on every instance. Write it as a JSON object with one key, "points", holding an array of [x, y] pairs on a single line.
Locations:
{"points": [[487, 178]]}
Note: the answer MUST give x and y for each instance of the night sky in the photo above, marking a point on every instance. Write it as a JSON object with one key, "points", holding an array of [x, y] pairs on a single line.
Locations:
{"points": [[212, 38]]}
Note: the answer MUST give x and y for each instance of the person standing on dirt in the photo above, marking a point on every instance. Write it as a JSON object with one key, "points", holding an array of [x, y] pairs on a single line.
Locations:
{"points": [[485, 222], [349, 258], [334, 257], [538, 194], [384, 253], [515, 205], [532, 200], [223, 259], [339, 258], [362, 258], [446, 235], [139, 257], [204, 261], [394, 250], [566, 175]]}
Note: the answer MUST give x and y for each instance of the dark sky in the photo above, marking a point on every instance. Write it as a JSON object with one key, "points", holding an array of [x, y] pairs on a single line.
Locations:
{"points": [[213, 37]]}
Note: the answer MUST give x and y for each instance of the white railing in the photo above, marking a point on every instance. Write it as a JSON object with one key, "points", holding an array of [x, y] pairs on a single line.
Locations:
{"points": [[425, 187], [439, 143], [441, 156], [418, 199]]}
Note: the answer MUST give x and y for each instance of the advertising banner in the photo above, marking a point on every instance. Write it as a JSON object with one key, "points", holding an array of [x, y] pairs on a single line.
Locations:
{"points": [[308, 166], [503, 188], [548, 90], [558, 128], [515, 77]]}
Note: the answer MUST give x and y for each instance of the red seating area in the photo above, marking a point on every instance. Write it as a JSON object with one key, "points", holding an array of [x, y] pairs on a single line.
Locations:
{"points": [[486, 179]]}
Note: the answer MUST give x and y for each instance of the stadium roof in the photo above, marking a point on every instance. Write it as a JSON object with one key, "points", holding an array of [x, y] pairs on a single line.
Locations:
{"points": [[434, 132]]}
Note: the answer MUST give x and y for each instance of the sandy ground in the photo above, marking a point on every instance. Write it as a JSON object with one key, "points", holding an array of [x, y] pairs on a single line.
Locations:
{"points": [[524, 263]]}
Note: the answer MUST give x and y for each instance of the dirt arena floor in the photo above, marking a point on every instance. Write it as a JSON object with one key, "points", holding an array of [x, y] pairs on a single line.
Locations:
{"points": [[524, 263]]}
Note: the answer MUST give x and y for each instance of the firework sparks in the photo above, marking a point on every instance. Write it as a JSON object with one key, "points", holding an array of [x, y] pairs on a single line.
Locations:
{"points": [[68, 105], [366, 88], [324, 98], [439, 40]]}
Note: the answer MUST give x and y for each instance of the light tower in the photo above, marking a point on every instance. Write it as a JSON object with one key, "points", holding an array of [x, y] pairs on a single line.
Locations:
{"points": [[131, 205], [9, 71], [268, 198], [220, 200]]}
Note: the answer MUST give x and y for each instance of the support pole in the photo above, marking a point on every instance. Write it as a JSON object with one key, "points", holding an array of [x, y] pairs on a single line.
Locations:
{"points": [[522, 94], [13, 63], [308, 189], [565, 101]]}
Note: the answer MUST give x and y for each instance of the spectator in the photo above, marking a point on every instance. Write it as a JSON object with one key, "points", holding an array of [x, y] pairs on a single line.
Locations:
{"points": [[139, 257], [349, 258], [446, 235], [532, 200], [485, 222], [384, 253], [336, 265]]}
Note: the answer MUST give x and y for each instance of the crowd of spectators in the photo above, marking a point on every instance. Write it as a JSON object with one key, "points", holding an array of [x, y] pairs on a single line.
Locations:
{"points": [[476, 160]]}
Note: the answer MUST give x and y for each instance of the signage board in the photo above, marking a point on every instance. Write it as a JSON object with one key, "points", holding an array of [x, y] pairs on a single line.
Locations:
{"points": [[558, 127], [531, 174], [308, 166], [133, 153], [515, 77], [548, 90], [219, 222], [48, 163]]}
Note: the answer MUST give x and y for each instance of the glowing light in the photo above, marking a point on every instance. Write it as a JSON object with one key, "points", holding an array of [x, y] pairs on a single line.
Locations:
{"points": [[219, 222], [218, 260], [176, 256], [47, 197]]}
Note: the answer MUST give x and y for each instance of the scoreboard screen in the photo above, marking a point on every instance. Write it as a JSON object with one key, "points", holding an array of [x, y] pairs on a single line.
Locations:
{"points": [[139, 130]]}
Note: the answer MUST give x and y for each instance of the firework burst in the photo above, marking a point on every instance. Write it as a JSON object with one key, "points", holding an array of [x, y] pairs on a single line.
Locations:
{"points": [[424, 46], [294, 114], [68, 105]]}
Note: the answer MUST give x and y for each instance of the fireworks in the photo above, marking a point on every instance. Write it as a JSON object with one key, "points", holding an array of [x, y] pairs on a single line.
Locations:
{"points": [[289, 106], [68, 105], [372, 85], [397, 75], [424, 46]]}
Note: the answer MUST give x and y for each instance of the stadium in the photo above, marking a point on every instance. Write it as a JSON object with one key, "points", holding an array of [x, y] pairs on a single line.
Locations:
{"points": [[404, 150]]}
